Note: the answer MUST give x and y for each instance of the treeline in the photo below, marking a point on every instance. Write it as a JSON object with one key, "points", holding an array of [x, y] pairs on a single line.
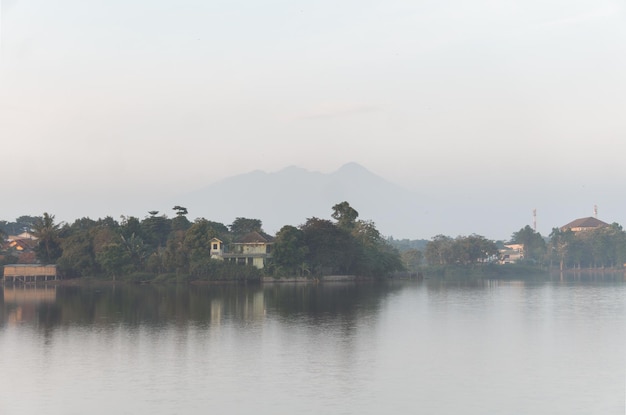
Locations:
{"points": [[603, 247], [163, 248]]}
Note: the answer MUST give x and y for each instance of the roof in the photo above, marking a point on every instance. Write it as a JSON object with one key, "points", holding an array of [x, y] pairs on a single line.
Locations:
{"points": [[589, 222], [255, 237], [23, 243]]}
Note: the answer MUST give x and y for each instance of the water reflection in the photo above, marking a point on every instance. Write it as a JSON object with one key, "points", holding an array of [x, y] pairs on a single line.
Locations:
{"points": [[134, 305]]}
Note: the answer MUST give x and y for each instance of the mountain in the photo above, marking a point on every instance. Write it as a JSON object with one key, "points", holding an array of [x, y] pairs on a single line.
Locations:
{"points": [[293, 194]]}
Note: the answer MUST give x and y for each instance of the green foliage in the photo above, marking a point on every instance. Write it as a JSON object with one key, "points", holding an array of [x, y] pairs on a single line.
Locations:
{"points": [[412, 259], [330, 248], [345, 215], [48, 247], [78, 258], [354, 248], [115, 260], [21, 224], [180, 211], [289, 251], [180, 222], [534, 244], [243, 226], [130, 226], [155, 230], [598, 248], [220, 229], [403, 245], [439, 250], [197, 242], [463, 250]]}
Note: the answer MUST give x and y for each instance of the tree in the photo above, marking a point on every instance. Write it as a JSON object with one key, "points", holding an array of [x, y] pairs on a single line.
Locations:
{"points": [[180, 222], [175, 256], [243, 226], [219, 228], [330, 248], [130, 225], [78, 258], [289, 249], [48, 247], [439, 250], [345, 215], [374, 255], [197, 244], [412, 259], [467, 250], [180, 211], [114, 259], [464, 250], [136, 250], [533, 242], [155, 229], [560, 242]]}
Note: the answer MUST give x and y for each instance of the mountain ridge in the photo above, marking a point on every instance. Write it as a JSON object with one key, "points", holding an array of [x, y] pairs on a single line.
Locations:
{"points": [[293, 194]]}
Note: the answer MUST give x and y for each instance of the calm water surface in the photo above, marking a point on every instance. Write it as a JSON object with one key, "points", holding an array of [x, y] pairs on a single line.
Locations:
{"points": [[431, 347]]}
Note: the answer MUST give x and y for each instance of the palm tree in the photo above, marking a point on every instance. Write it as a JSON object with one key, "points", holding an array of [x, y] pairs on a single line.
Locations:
{"points": [[47, 233]]}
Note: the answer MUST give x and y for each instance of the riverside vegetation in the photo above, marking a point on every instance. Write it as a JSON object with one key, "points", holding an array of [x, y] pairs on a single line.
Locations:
{"points": [[159, 248]]}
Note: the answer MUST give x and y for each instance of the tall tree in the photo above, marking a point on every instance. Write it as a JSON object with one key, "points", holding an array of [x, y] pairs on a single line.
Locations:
{"points": [[48, 247], [439, 250], [345, 215], [560, 242], [330, 248], [156, 229], [533, 242], [180, 222]]}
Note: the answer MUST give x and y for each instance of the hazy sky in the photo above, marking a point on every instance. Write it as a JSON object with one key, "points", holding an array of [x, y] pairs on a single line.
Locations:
{"points": [[513, 105]]}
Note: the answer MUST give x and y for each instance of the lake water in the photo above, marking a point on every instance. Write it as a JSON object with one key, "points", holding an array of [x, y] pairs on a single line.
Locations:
{"points": [[431, 347]]}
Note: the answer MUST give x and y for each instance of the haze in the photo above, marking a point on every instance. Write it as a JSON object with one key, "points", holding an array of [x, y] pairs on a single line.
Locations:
{"points": [[489, 109]]}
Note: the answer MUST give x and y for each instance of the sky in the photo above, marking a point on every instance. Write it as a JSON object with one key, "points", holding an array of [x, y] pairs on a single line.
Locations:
{"points": [[493, 107]]}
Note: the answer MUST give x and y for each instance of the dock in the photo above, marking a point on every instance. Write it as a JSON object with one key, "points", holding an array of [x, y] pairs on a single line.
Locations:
{"points": [[29, 273]]}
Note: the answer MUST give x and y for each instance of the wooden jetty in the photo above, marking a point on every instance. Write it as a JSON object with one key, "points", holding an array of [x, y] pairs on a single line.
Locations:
{"points": [[29, 273]]}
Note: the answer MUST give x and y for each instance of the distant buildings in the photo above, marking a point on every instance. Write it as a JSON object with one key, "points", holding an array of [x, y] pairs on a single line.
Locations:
{"points": [[20, 246], [511, 253], [584, 224]]}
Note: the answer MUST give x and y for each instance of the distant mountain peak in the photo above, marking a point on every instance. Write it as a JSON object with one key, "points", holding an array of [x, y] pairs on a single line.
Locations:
{"points": [[352, 167]]}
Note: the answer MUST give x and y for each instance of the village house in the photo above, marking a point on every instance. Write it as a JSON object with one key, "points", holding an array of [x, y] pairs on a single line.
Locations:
{"points": [[511, 253], [21, 247], [254, 248]]}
